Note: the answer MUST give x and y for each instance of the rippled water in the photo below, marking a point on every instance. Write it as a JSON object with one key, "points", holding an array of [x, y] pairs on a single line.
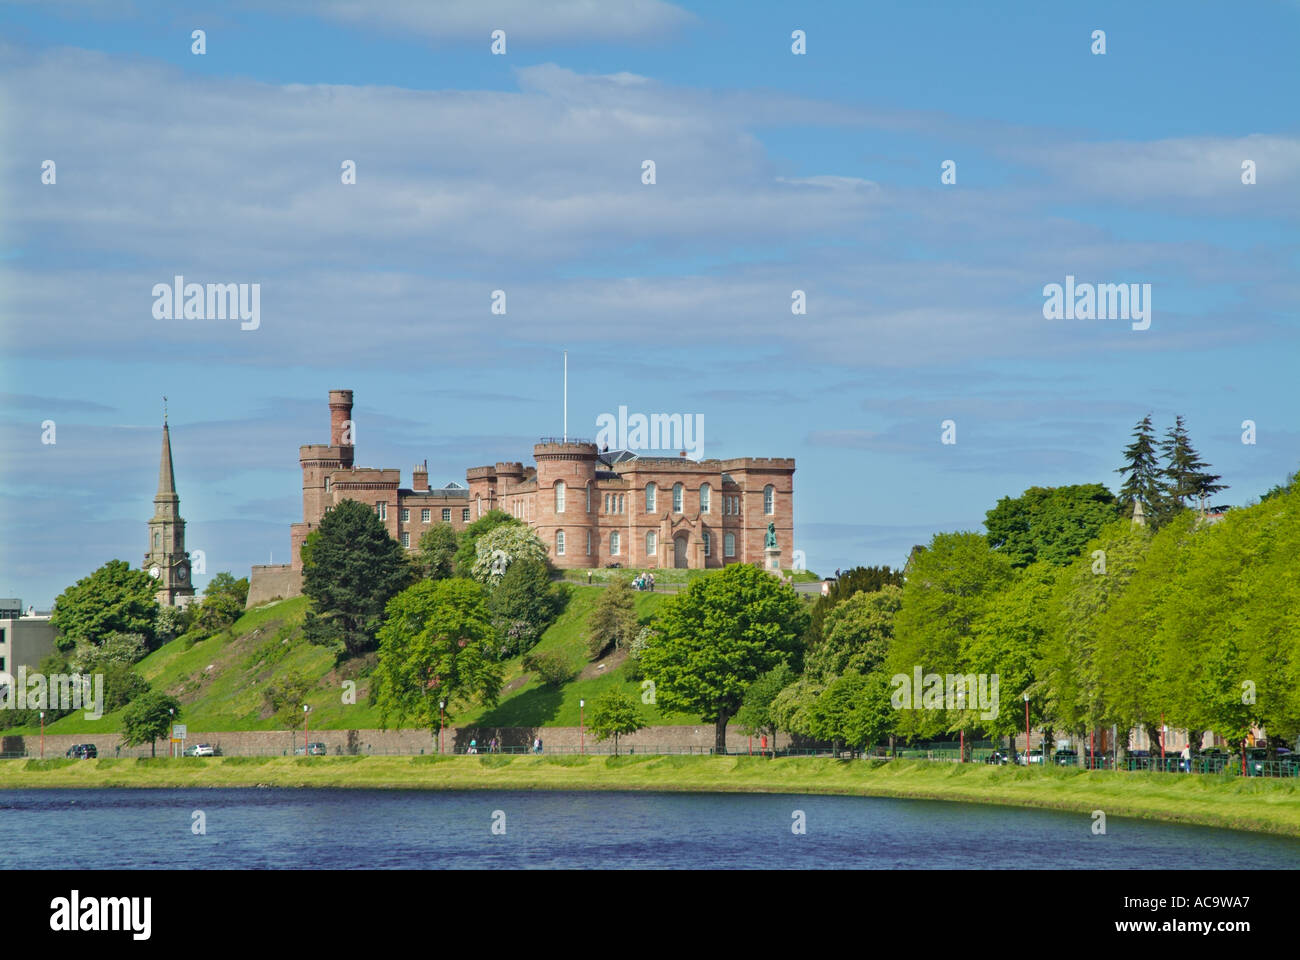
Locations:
{"points": [[279, 828]]}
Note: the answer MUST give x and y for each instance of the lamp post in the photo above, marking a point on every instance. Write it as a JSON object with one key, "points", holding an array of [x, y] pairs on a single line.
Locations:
{"points": [[582, 736], [43, 736], [306, 724], [1026, 731], [441, 706], [171, 735]]}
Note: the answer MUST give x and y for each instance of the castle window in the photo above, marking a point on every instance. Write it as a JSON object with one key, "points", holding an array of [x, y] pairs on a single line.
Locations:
{"points": [[729, 544], [613, 544], [464, 514], [327, 484], [708, 543], [650, 491], [559, 543], [607, 503], [588, 543], [406, 540], [769, 499], [651, 543], [381, 508], [559, 496], [157, 540], [479, 502], [589, 499], [705, 494], [446, 514], [426, 515], [677, 498], [406, 515], [620, 503]]}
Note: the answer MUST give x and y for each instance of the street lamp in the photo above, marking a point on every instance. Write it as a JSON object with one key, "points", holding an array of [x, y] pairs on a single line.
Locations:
{"points": [[43, 735], [306, 725], [441, 706], [171, 736], [582, 737], [1027, 732]]}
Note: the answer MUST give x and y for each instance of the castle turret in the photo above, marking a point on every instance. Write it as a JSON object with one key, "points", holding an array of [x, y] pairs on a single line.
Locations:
{"points": [[564, 515]]}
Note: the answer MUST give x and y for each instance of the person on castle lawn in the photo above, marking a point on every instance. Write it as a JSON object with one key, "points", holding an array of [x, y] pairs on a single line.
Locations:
{"points": [[537, 744], [652, 581], [1187, 757], [473, 747], [588, 578]]}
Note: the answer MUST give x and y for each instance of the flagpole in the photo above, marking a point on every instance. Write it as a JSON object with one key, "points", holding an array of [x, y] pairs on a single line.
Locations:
{"points": [[566, 396]]}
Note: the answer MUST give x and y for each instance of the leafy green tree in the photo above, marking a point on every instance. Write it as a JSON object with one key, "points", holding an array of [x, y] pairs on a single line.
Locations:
{"points": [[351, 568], [285, 695], [948, 587], [224, 599], [524, 604], [717, 637], [171, 623], [614, 714], [467, 550], [756, 714], [857, 634], [437, 552], [435, 645], [114, 598], [854, 710], [1142, 475], [502, 547], [148, 719], [1279, 489], [1049, 523], [121, 685], [116, 647], [1187, 478], [850, 582], [613, 620], [549, 667], [790, 709]]}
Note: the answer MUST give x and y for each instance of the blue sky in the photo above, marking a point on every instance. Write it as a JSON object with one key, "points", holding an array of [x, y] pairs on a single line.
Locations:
{"points": [[522, 172]]}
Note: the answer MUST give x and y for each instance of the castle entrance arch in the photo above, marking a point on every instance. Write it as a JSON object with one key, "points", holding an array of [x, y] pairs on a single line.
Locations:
{"points": [[679, 551]]}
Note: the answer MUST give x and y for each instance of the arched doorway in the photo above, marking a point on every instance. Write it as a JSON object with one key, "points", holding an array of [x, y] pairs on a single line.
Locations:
{"points": [[679, 551]]}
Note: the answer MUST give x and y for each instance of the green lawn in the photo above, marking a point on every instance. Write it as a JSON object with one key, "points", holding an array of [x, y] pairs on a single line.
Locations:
{"points": [[267, 641], [1259, 804]]}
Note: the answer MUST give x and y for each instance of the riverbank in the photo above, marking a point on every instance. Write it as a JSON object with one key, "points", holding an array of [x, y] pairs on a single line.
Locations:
{"points": [[1258, 804]]}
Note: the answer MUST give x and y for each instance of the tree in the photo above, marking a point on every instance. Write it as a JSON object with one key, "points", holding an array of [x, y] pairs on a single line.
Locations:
{"points": [[756, 711], [524, 603], [1186, 475], [948, 587], [114, 598], [285, 696], [351, 568], [1142, 475], [850, 582], [435, 645], [437, 552], [148, 718], [224, 599], [503, 546], [854, 709], [613, 619], [857, 635], [170, 623], [791, 707], [717, 637], [467, 551], [1049, 523], [612, 714]]}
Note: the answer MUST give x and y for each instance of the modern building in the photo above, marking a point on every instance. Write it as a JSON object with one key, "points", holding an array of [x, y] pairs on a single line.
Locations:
{"points": [[25, 639], [591, 507]]}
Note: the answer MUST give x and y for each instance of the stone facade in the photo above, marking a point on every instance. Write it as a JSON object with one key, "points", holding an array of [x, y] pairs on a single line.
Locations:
{"points": [[592, 508]]}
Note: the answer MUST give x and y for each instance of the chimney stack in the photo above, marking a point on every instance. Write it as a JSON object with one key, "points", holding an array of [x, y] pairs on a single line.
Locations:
{"points": [[420, 477]]}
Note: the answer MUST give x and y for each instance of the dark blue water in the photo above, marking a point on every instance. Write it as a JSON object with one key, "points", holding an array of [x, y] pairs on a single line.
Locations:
{"points": [[278, 828]]}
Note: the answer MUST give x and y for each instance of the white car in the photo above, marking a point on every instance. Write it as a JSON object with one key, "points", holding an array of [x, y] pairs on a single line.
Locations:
{"points": [[200, 750]]}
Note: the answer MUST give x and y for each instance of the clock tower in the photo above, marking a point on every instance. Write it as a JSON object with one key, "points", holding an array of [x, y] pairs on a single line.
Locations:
{"points": [[167, 562]]}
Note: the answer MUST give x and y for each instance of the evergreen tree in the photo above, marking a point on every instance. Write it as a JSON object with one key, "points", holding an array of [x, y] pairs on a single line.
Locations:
{"points": [[1142, 473], [613, 620], [1186, 475]]}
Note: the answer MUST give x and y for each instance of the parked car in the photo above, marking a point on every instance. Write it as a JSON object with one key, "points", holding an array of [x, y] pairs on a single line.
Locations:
{"points": [[316, 749], [82, 751], [1066, 758], [200, 750], [1000, 757], [1034, 756]]}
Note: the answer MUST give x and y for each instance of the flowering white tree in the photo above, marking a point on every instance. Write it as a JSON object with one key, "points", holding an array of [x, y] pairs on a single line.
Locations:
{"points": [[499, 548]]}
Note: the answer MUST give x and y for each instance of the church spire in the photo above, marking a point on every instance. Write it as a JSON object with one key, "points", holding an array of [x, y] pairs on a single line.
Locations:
{"points": [[166, 476]]}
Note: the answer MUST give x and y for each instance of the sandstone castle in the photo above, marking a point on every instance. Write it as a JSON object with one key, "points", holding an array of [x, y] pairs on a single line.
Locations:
{"points": [[592, 508]]}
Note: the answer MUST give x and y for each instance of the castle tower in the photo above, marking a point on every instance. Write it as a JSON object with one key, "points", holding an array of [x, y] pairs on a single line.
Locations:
{"points": [[167, 561], [564, 516]]}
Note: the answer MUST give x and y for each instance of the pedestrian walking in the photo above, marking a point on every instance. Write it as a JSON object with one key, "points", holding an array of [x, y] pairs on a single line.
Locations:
{"points": [[537, 744], [652, 581]]}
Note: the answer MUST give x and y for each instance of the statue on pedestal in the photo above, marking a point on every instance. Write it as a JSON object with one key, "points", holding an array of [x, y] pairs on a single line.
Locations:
{"points": [[771, 536]]}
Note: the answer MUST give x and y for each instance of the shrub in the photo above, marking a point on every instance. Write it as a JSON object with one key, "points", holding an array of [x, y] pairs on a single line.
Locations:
{"points": [[551, 668]]}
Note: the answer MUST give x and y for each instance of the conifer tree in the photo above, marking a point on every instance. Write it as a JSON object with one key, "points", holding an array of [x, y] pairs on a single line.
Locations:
{"points": [[1187, 479], [1141, 472]]}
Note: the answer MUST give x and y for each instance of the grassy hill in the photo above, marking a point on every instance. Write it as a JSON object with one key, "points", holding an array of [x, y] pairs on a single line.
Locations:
{"points": [[220, 680]]}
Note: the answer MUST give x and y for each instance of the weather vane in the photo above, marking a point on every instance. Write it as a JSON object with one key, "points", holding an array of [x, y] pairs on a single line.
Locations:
{"points": [[164, 408]]}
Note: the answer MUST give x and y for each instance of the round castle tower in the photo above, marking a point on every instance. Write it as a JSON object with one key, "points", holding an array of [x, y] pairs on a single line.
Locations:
{"points": [[564, 470]]}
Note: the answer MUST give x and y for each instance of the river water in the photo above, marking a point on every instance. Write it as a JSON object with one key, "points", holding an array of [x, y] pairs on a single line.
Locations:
{"points": [[342, 829]]}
